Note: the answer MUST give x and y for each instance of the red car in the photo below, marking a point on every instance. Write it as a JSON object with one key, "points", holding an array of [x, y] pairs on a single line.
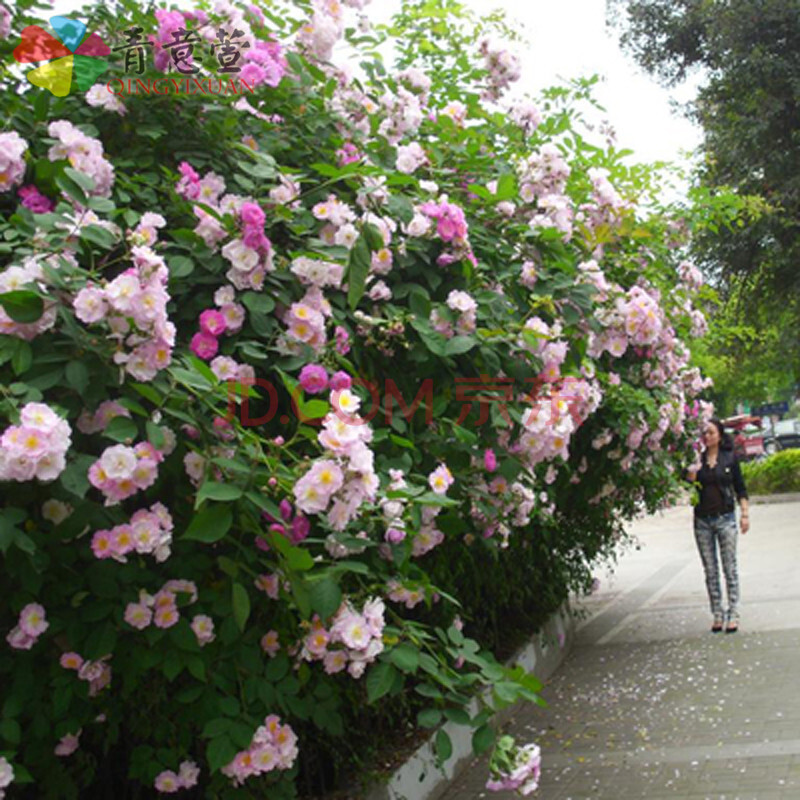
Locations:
{"points": [[748, 436]]}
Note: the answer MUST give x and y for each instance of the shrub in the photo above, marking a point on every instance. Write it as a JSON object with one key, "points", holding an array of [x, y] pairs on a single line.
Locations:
{"points": [[217, 573], [779, 472]]}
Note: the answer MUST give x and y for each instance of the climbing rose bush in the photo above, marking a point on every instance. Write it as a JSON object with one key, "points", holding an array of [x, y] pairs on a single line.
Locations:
{"points": [[303, 390], [514, 768]]}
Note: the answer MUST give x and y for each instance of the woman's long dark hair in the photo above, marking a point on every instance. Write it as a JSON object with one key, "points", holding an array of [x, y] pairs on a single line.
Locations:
{"points": [[725, 439]]}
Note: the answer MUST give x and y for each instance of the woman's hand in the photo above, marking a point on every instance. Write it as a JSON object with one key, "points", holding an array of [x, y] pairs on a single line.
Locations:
{"points": [[744, 523]]}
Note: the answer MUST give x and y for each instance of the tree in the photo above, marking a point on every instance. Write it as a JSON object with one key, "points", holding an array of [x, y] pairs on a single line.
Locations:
{"points": [[748, 108], [747, 360]]}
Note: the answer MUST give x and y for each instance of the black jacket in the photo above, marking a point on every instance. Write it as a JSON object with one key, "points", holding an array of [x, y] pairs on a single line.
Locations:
{"points": [[720, 486]]}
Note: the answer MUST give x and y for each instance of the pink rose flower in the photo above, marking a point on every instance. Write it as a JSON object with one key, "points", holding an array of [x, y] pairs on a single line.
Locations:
{"points": [[340, 380], [314, 378], [204, 346], [212, 323]]}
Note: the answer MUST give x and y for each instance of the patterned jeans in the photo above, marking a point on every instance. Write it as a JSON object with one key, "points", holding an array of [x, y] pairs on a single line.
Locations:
{"points": [[710, 533]]}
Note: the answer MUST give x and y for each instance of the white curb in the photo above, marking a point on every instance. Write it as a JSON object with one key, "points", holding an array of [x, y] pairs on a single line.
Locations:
{"points": [[419, 778]]}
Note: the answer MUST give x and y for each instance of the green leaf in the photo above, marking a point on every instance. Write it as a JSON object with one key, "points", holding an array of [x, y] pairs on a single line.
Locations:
{"points": [[22, 305], [373, 236], [506, 691], [327, 720], [357, 270], [234, 466], [301, 595], [77, 375], [298, 558], [314, 409], [99, 236], [419, 303], [401, 207], [379, 680], [429, 718], [191, 694], [172, 666], [71, 188], [154, 435], [228, 566], [277, 669], [457, 715], [210, 525], [258, 303], [180, 266], [480, 191], [443, 746], [22, 359], [406, 657], [101, 642], [433, 499], [326, 597], [459, 344], [83, 180], [455, 635], [148, 392], [352, 566], [220, 751], [328, 170], [464, 435], [483, 739], [224, 492], [241, 605], [242, 735], [121, 429], [230, 707], [216, 727], [506, 188], [9, 533], [265, 504], [435, 342], [75, 477], [192, 379], [40, 105], [25, 543], [101, 204], [10, 731], [201, 367]]}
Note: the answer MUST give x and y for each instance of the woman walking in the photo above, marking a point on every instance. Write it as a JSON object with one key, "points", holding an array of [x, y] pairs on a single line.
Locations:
{"points": [[721, 484]]}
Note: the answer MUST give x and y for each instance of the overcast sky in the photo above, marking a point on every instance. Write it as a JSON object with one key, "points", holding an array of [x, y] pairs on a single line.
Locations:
{"points": [[568, 39]]}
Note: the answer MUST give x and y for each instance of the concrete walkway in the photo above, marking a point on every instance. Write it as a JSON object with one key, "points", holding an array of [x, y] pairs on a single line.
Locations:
{"points": [[651, 704]]}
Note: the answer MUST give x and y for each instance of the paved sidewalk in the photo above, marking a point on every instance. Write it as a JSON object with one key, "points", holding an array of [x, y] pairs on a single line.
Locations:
{"points": [[650, 704]]}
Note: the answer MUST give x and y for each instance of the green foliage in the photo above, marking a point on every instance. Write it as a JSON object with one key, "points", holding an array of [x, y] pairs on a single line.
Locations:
{"points": [[749, 53], [777, 473], [226, 479], [750, 352]]}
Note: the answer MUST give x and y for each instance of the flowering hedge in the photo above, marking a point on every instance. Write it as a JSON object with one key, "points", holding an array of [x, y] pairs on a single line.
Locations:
{"points": [[308, 393]]}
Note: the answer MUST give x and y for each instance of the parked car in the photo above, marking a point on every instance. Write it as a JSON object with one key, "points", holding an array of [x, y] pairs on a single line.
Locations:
{"points": [[748, 436], [783, 436]]}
